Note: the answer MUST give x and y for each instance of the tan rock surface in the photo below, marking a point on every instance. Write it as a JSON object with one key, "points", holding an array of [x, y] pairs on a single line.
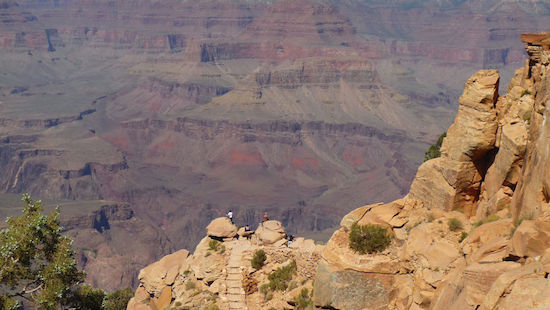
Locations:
{"points": [[478, 279], [453, 180], [162, 273], [504, 281], [531, 238], [527, 293], [164, 299], [221, 227], [338, 253], [269, 232]]}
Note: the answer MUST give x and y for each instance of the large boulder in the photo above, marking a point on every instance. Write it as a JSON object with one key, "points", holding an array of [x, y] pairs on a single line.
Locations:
{"points": [[349, 289], [163, 272], [532, 237], [270, 232], [221, 227], [527, 293]]}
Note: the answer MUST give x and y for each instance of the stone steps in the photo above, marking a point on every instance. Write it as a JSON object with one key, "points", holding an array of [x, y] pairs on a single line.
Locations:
{"points": [[234, 292]]}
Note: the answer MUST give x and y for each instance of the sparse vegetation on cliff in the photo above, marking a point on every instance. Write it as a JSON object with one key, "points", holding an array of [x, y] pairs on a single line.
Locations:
{"points": [[434, 149], [258, 259], [454, 224], [368, 238], [303, 301], [279, 280]]}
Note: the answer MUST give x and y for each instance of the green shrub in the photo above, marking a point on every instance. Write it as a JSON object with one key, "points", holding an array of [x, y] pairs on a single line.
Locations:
{"points": [[88, 298], [189, 285], [258, 259], [303, 301], [430, 218], [526, 116], [454, 224], [213, 245], [264, 288], [463, 236], [492, 218], [368, 238], [279, 279], [118, 300], [477, 224], [434, 149], [292, 285], [212, 307], [525, 92]]}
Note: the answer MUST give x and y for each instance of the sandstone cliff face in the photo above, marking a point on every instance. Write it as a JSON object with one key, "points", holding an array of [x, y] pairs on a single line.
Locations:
{"points": [[492, 178]]}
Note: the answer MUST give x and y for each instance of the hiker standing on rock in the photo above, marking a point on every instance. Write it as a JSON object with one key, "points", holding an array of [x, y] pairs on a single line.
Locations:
{"points": [[230, 216], [266, 218]]}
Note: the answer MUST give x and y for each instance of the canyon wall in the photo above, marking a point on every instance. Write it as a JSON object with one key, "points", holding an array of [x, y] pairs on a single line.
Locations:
{"points": [[180, 110]]}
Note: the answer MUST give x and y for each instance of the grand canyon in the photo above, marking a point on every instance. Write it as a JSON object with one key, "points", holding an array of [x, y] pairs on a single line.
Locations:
{"points": [[145, 120]]}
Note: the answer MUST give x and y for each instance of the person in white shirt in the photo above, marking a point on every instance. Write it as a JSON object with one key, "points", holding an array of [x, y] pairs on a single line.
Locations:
{"points": [[230, 215]]}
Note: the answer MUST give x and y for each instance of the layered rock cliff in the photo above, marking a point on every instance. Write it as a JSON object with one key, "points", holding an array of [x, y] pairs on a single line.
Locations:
{"points": [[180, 109], [472, 233]]}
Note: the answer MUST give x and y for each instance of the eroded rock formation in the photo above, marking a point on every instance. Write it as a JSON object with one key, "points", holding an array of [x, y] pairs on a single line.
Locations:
{"points": [[220, 273], [491, 178]]}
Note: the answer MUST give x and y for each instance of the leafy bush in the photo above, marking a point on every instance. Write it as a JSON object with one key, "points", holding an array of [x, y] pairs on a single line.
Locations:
{"points": [[36, 261], [434, 149], [525, 92], [454, 224], [368, 238], [118, 300], [258, 259], [492, 218], [303, 300], [476, 224], [264, 288], [213, 245], [463, 236], [88, 298], [278, 279], [189, 285]]}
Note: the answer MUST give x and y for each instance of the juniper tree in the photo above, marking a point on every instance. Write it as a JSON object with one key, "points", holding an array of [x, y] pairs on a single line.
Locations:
{"points": [[37, 262]]}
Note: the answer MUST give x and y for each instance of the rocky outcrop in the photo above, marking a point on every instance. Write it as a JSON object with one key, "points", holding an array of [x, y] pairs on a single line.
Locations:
{"points": [[270, 232], [222, 227], [486, 172], [219, 273], [453, 180]]}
